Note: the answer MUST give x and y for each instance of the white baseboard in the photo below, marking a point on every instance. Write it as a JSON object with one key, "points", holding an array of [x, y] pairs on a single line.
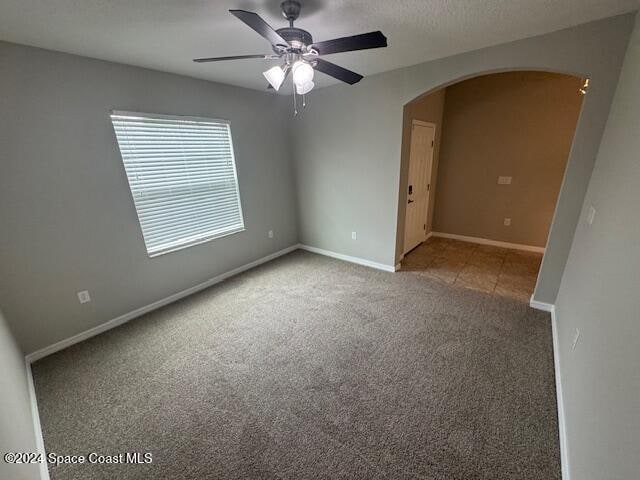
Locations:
{"points": [[37, 428], [348, 258], [564, 456], [545, 307], [486, 241], [562, 428], [32, 357], [38, 354], [56, 347]]}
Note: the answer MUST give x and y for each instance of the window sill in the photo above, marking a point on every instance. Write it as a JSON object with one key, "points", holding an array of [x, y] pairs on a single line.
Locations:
{"points": [[195, 242]]}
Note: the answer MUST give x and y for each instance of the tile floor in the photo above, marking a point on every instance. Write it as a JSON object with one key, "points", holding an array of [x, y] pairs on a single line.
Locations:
{"points": [[501, 271]]}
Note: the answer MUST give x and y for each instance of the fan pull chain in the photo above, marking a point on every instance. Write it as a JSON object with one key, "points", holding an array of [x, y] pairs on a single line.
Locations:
{"points": [[295, 103], [304, 101]]}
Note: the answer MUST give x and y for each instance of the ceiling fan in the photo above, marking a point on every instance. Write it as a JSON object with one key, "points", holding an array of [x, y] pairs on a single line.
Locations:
{"points": [[298, 52]]}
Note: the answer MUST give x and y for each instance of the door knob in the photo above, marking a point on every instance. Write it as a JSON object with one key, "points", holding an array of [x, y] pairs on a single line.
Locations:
{"points": [[410, 201]]}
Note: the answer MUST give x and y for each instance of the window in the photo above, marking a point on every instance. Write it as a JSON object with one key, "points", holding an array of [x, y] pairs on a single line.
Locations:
{"points": [[182, 175]]}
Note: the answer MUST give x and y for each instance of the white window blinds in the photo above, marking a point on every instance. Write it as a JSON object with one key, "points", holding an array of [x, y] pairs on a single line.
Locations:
{"points": [[182, 175]]}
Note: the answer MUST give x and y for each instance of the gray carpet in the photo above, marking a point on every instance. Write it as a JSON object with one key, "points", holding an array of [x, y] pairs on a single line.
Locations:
{"points": [[309, 367]]}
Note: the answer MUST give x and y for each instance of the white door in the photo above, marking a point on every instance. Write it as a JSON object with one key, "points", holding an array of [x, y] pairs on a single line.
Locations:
{"points": [[418, 185]]}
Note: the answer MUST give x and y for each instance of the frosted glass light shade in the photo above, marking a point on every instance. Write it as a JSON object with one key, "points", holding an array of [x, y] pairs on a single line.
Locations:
{"points": [[275, 77], [302, 73], [305, 88]]}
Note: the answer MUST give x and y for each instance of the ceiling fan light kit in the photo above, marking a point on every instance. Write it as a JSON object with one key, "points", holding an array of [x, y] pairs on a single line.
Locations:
{"points": [[304, 88], [295, 48], [275, 76], [302, 72]]}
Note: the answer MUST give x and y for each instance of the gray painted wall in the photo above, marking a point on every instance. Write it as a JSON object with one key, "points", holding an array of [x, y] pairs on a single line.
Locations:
{"points": [[599, 295], [69, 222], [16, 422], [347, 143]]}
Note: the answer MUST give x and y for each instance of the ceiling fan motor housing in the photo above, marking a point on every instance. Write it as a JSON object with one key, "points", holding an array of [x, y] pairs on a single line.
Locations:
{"points": [[295, 36]]}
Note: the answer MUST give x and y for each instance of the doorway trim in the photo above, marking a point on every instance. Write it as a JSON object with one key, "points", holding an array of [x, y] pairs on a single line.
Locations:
{"points": [[548, 272]]}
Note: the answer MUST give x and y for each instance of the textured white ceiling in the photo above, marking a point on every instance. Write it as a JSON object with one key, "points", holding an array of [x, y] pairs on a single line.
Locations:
{"points": [[167, 34]]}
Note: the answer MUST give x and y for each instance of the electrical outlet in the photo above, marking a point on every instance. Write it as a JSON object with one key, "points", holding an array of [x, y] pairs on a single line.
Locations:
{"points": [[507, 222], [270, 234], [591, 215], [504, 180], [83, 296], [354, 236], [576, 336]]}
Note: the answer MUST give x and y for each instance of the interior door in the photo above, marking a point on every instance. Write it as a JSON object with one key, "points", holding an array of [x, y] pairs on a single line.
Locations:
{"points": [[418, 185]]}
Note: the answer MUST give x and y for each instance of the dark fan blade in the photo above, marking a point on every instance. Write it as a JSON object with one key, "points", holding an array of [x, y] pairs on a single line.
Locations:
{"points": [[259, 25], [236, 57], [348, 44], [336, 71]]}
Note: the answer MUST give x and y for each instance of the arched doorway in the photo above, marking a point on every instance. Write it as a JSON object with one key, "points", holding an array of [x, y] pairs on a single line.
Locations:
{"points": [[483, 160]]}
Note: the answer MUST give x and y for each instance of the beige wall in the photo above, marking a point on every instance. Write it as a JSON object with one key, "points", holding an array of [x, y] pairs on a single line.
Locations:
{"points": [[518, 124], [427, 109]]}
